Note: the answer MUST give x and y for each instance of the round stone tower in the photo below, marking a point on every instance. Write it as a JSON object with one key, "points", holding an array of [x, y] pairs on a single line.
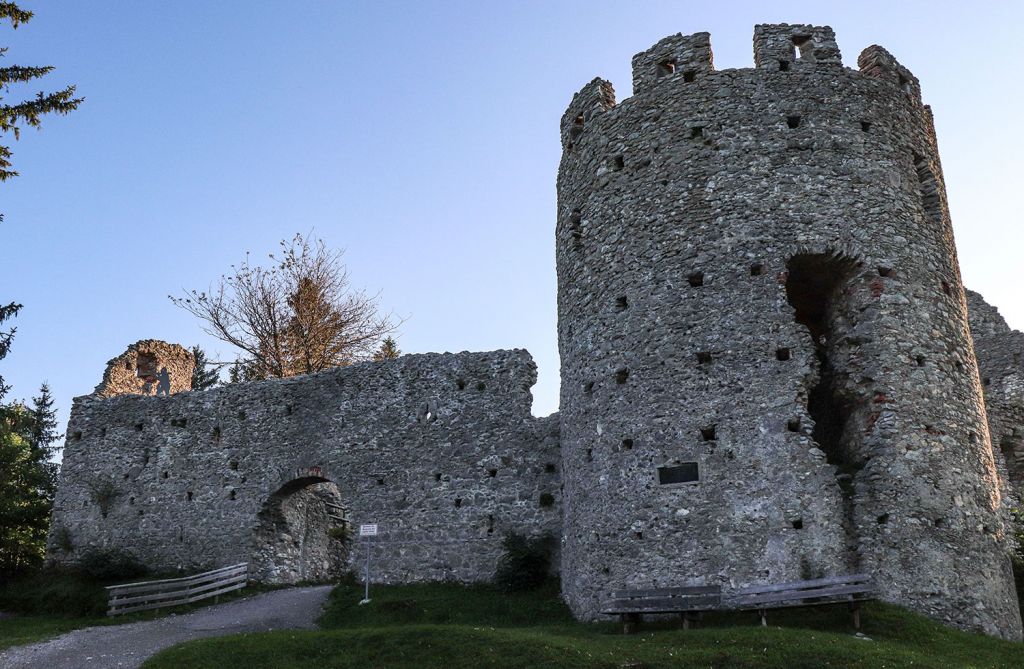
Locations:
{"points": [[767, 373]]}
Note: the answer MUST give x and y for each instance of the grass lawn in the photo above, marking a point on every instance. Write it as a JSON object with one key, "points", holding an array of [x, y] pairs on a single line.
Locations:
{"points": [[458, 627]]}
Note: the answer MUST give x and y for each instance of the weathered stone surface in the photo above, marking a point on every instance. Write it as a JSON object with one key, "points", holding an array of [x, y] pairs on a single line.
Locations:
{"points": [[137, 371], [757, 277], [1000, 353], [439, 449]]}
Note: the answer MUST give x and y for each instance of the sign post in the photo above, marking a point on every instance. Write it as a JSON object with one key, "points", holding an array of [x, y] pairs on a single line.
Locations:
{"points": [[368, 530]]}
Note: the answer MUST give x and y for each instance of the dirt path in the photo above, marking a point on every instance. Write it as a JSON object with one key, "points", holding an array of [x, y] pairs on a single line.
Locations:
{"points": [[128, 646]]}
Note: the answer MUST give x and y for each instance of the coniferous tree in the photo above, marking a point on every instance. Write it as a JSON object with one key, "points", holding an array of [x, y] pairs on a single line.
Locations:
{"points": [[388, 350], [204, 374], [26, 112]]}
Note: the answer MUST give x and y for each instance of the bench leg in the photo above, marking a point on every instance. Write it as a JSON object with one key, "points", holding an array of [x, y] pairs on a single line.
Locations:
{"points": [[855, 609], [764, 618], [630, 621]]}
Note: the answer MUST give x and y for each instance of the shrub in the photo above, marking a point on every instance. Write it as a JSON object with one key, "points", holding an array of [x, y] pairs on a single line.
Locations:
{"points": [[54, 593], [526, 562], [110, 565]]}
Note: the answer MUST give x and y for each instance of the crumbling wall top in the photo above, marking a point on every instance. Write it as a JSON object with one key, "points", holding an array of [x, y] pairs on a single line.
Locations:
{"points": [[148, 367]]}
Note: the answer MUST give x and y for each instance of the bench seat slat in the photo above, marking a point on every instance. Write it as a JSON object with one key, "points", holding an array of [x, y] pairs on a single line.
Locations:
{"points": [[668, 592], [804, 585], [663, 604], [756, 600]]}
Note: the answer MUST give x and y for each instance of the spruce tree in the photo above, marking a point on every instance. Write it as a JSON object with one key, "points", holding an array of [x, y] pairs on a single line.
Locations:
{"points": [[388, 350], [26, 112], [204, 374]]}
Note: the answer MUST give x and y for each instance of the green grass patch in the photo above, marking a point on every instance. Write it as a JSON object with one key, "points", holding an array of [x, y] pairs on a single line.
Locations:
{"points": [[455, 627]]}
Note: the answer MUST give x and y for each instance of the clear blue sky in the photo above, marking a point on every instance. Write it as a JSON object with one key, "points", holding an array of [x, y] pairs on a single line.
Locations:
{"points": [[421, 137]]}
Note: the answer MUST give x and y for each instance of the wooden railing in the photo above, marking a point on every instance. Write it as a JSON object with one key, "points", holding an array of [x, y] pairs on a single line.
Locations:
{"points": [[173, 591]]}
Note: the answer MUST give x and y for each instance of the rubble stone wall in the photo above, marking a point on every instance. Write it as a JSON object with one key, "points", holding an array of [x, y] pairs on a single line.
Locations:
{"points": [[137, 371], [440, 450]]}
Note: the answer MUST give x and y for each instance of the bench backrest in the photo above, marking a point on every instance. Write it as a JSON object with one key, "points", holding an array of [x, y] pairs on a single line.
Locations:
{"points": [[853, 586], [684, 598]]}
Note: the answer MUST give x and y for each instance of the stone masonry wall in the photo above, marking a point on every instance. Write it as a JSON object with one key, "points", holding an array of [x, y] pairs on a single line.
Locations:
{"points": [[767, 372], [136, 371], [1000, 352], [439, 449]]}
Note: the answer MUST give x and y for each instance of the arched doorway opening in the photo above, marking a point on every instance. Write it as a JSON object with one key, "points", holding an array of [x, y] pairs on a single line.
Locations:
{"points": [[302, 534]]}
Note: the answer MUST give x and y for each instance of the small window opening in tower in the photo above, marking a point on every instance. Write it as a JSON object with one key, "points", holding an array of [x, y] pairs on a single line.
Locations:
{"points": [[783, 66], [458, 502], [696, 279], [929, 190], [579, 121], [696, 132], [802, 44], [905, 85], [689, 76], [145, 367], [686, 472], [576, 225], [946, 288], [621, 303], [708, 433], [793, 121], [666, 67]]}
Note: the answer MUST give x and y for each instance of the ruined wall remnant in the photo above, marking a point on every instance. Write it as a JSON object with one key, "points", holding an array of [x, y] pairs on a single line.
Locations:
{"points": [[1000, 352], [439, 449], [138, 370], [767, 372]]}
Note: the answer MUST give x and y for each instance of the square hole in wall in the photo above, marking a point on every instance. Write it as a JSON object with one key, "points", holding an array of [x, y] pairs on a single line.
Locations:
{"points": [[683, 473], [865, 126], [689, 76], [704, 357], [621, 376], [708, 433], [696, 279], [666, 67], [618, 163], [783, 66], [782, 354], [696, 132], [756, 269], [793, 121], [793, 424], [627, 444], [621, 303]]}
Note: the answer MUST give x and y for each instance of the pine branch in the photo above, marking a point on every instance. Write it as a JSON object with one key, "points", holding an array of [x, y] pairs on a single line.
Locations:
{"points": [[14, 14], [18, 74]]}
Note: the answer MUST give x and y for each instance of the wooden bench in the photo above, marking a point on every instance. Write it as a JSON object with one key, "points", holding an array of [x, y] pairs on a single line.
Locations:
{"points": [[687, 601], [850, 590]]}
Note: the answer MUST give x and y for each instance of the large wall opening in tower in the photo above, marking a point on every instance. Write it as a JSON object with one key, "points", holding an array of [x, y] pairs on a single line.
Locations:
{"points": [[814, 288], [302, 533]]}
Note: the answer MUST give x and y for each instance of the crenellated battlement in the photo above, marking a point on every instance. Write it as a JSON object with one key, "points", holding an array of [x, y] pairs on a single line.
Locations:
{"points": [[781, 46], [678, 56], [875, 61], [680, 60], [595, 98]]}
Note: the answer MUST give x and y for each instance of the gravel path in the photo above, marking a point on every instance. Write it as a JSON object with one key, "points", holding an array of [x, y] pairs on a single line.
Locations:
{"points": [[128, 646]]}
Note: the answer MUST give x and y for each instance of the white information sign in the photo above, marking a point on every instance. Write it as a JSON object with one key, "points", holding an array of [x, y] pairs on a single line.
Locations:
{"points": [[368, 530]]}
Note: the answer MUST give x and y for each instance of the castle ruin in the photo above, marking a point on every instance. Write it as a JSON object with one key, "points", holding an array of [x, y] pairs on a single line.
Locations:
{"points": [[768, 374]]}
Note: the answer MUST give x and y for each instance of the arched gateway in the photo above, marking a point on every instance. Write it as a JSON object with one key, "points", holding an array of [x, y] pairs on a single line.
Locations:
{"points": [[302, 531]]}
